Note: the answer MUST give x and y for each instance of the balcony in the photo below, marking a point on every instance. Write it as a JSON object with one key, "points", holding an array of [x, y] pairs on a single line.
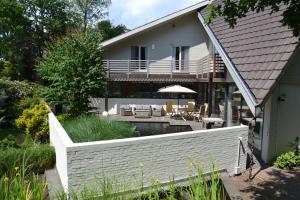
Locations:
{"points": [[164, 70]]}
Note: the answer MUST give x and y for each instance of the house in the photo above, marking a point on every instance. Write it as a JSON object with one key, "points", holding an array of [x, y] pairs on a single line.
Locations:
{"points": [[260, 58]]}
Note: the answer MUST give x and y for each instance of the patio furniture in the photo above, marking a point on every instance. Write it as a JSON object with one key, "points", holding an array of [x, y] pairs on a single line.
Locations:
{"points": [[157, 111], [235, 113], [169, 108], [176, 89], [222, 111], [212, 122], [95, 105], [126, 110], [200, 114], [142, 111], [189, 111]]}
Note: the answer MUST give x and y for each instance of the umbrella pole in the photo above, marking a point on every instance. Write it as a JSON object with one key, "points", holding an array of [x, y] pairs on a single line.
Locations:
{"points": [[178, 103]]}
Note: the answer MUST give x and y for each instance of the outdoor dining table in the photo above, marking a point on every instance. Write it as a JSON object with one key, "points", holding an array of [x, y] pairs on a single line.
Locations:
{"points": [[209, 121]]}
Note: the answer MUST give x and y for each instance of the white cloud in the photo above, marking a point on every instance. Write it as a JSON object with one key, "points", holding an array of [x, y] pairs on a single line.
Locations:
{"points": [[133, 13]]}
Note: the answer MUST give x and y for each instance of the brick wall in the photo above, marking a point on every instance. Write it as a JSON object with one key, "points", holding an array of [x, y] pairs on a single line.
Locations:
{"points": [[163, 156]]}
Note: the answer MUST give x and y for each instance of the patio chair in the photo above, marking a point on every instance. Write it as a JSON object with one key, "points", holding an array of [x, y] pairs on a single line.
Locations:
{"points": [[201, 113], [169, 108], [157, 111], [96, 105], [222, 111], [235, 113], [126, 110], [190, 109], [142, 111]]}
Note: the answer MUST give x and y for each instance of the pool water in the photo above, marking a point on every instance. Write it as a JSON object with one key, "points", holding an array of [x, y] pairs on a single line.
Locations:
{"points": [[158, 128]]}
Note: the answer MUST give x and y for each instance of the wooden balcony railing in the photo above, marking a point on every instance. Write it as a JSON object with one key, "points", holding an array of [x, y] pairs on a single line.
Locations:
{"points": [[160, 67]]}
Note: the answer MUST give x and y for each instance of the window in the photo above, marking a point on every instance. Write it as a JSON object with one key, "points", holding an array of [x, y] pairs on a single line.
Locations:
{"points": [[181, 57], [138, 57]]}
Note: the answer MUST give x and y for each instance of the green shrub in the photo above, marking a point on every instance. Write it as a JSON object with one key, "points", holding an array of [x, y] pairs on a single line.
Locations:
{"points": [[26, 103], [34, 121], [3, 105], [39, 157], [94, 128], [287, 161], [63, 117], [14, 92], [9, 141], [10, 71]]}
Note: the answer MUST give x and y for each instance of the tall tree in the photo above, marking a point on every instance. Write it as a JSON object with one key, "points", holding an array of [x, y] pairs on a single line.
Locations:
{"points": [[72, 68], [14, 27], [108, 30], [49, 19], [232, 10], [27, 25], [91, 11]]}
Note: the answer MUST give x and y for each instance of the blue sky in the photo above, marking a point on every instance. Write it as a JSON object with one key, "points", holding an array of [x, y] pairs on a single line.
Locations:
{"points": [[133, 13]]}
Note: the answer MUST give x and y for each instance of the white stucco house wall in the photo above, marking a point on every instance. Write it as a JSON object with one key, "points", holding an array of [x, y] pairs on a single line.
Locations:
{"points": [[259, 56]]}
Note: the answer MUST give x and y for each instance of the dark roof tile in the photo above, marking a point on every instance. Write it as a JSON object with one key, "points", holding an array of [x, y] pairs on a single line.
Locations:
{"points": [[259, 46]]}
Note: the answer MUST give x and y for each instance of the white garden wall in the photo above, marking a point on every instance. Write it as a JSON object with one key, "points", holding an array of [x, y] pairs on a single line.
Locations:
{"points": [[60, 140], [115, 103], [163, 156]]}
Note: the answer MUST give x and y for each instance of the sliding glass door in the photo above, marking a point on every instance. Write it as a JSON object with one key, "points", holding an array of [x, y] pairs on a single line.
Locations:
{"points": [[139, 58], [180, 58]]}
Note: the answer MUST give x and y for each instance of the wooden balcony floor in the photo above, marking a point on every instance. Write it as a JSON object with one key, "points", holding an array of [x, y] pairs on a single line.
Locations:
{"points": [[158, 78]]}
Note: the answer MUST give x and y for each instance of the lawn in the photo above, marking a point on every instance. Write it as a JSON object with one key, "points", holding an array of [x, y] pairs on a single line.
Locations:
{"points": [[94, 128]]}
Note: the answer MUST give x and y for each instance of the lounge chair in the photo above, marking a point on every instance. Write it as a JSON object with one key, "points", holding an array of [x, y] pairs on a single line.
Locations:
{"points": [[126, 110], [202, 113], [190, 109], [169, 108], [142, 111], [157, 111]]}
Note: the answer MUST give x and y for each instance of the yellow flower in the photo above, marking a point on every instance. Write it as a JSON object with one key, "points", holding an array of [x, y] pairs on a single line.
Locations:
{"points": [[17, 168], [141, 165], [5, 179], [190, 164], [18, 174]]}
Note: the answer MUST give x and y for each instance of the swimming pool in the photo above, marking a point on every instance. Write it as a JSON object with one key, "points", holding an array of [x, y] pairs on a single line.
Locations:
{"points": [[158, 128]]}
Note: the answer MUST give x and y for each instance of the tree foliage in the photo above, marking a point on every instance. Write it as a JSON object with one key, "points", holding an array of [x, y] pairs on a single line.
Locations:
{"points": [[3, 104], [72, 68], [27, 25], [108, 30], [91, 11], [231, 10]]}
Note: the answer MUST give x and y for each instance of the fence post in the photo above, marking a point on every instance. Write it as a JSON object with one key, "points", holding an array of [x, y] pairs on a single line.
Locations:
{"points": [[147, 65], [108, 68], [171, 68], [128, 65]]}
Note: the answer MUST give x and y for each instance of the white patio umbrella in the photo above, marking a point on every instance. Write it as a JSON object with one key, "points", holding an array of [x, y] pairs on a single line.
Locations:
{"points": [[177, 89]]}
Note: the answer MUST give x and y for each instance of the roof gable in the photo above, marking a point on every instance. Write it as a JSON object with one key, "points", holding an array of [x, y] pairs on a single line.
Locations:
{"points": [[155, 23], [259, 47]]}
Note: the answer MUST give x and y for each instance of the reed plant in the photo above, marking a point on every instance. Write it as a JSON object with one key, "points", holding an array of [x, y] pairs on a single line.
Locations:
{"points": [[39, 158], [19, 184], [88, 128], [200, 187]]}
